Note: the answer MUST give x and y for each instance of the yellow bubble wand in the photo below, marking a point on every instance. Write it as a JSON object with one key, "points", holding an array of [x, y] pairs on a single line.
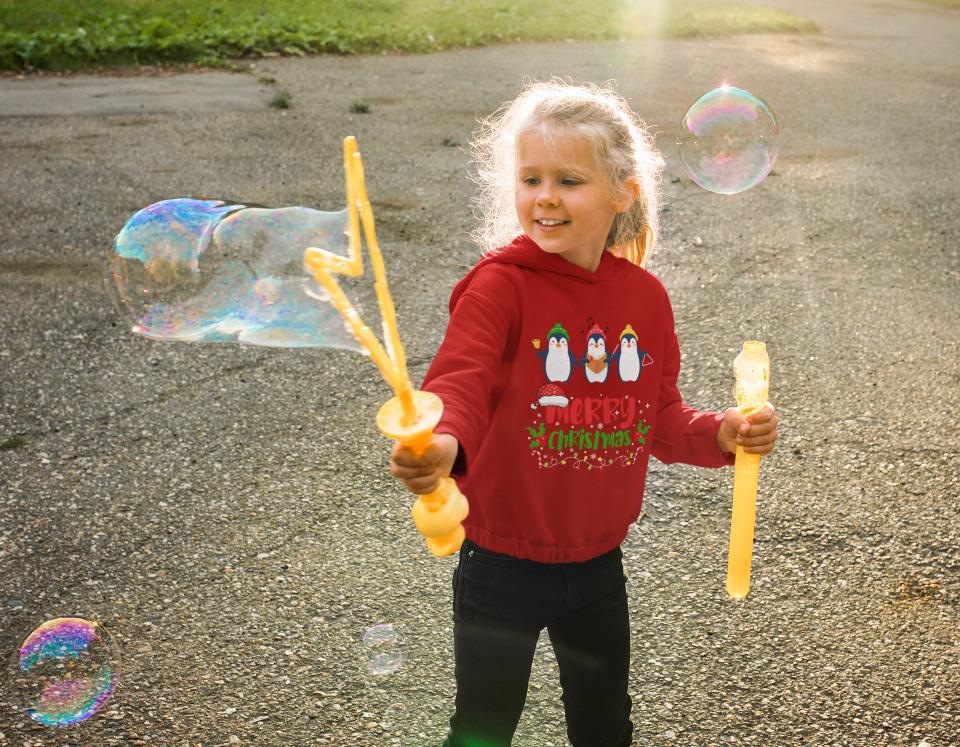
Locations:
{"points": [[411, 415], [752, 367]]}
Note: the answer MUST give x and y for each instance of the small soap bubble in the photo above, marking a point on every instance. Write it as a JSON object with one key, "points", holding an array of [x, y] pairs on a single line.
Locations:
{"points": [[65, 671], [212, 271], [382, 654], [394, 716], [729, 140]]}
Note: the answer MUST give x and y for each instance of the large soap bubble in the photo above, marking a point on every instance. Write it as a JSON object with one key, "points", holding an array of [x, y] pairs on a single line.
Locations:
{"points": [[209, 271], [66, 670], [729, 140]]}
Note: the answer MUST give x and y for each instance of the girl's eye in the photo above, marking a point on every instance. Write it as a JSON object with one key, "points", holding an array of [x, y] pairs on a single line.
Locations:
{"points": [[530, 180], [568, 182]]}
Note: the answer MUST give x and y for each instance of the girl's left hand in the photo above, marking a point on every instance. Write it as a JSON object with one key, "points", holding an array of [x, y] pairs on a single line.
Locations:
{"points": [[756, 432]]}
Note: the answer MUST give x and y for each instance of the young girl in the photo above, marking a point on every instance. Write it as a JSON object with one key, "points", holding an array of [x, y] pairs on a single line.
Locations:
{"points": [[558, 376]]}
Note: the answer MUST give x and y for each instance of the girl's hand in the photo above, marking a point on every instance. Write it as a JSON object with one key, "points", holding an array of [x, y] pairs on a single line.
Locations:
{"points": [[421, 473], [756, 432]]}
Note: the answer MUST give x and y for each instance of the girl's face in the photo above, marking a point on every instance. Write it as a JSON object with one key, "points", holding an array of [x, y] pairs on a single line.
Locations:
{"points": [[565, 202]]}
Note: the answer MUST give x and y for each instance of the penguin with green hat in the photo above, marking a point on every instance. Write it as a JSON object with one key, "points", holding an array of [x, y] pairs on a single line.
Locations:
{"points": [[558, 361]]}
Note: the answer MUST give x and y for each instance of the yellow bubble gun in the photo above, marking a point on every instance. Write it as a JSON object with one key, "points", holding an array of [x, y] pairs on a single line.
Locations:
{"points": [[752, 367], [411, 415]]}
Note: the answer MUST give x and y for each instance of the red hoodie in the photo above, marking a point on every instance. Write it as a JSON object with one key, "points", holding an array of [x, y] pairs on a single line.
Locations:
{"points": [[559, 383]]}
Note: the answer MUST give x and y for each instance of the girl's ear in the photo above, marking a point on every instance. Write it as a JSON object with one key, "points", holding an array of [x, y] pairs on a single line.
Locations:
{"points": [[626, 195]]}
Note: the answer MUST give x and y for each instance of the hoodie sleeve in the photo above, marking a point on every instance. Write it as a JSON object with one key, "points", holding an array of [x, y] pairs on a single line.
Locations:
{"points": [[682, 433], [469, 370]]}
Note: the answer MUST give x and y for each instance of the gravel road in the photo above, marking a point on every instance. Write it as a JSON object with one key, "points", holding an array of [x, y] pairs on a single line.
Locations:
{"points": [[227, 513]]}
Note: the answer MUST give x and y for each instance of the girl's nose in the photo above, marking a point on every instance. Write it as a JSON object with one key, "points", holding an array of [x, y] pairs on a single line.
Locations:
{"points": [[546, 195]]}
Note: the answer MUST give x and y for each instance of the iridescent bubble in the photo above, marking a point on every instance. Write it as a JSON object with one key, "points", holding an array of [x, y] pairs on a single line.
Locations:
{"points": [[729, 140], [382, 654], [394, 717], [209, 271], [66, 670]]}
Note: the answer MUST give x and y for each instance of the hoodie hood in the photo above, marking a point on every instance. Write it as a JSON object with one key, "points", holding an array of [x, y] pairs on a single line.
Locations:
{"points": [[524, 252]]}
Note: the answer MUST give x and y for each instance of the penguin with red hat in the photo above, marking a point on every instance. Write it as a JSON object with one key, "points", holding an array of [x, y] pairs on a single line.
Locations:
{"points": [[594, 359]]}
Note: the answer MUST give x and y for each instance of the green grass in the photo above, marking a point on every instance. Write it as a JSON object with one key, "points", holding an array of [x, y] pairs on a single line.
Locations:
{"points": [[281, 100], [83, 34], [14, 442]]}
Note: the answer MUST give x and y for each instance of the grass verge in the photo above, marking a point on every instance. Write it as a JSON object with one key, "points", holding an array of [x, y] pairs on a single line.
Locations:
{"points": [[83, 34]]}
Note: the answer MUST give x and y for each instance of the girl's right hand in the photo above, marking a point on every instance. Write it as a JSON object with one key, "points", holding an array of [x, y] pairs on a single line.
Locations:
{"points": [[421, 473]]}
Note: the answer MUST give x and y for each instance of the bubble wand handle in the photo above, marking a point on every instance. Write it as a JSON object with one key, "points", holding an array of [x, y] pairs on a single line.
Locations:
{"points": [[439, 514], [411, 415], [752, 367]]}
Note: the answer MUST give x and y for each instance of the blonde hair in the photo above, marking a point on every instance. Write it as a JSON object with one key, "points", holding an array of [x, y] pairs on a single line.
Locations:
{"points": [[622, 146]]}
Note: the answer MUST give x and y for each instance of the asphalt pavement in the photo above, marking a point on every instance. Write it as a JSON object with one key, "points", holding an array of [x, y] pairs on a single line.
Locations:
{"points": [[226, 511]]}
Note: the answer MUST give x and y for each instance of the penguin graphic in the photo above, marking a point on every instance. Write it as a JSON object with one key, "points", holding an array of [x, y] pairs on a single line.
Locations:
{"points": [[558, 361], [595, 359], [630, 360]]}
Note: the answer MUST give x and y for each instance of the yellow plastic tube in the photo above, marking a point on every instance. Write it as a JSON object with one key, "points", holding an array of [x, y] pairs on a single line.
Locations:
{"points": [[752, 367], [411, 415]]}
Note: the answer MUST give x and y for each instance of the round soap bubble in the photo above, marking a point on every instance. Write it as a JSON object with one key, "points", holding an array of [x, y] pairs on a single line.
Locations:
{"points": [[211, 271], [382, 654], [394, 716], [66, 670], [729, 140]]}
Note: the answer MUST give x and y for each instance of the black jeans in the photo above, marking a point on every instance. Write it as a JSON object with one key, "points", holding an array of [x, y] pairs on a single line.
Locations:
{"points": [[500, 605]]}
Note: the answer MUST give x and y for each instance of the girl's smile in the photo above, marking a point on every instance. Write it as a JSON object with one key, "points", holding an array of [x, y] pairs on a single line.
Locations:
{"points": [[548, 225], [564, 202]]}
